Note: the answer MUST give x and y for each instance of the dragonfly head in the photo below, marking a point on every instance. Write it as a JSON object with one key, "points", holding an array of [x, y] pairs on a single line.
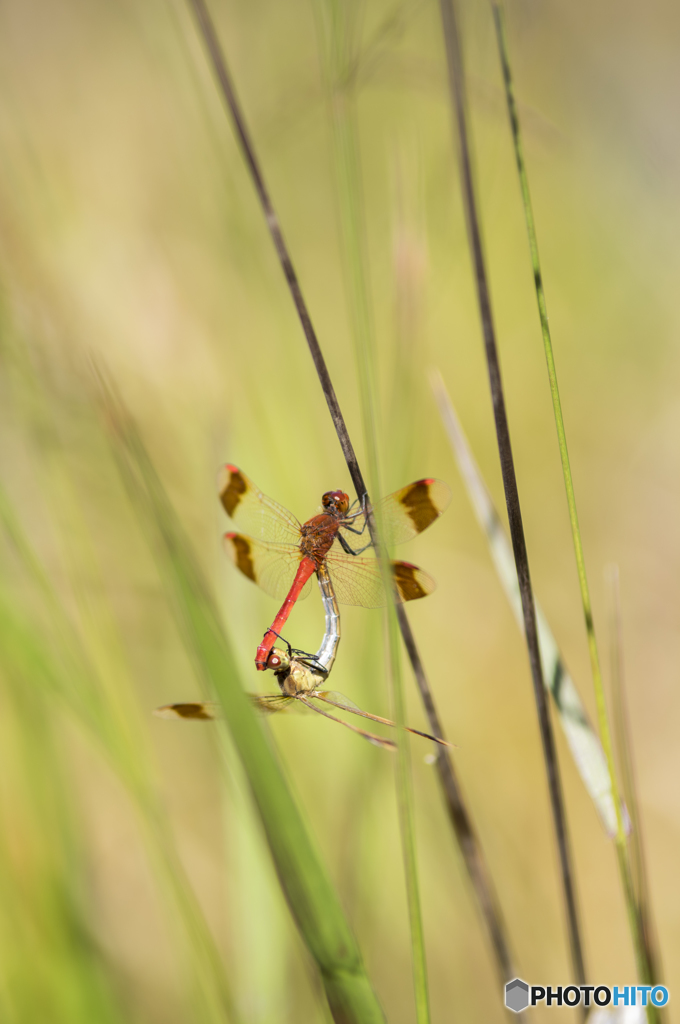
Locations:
{"points": [[335, 503], [278, 661]]}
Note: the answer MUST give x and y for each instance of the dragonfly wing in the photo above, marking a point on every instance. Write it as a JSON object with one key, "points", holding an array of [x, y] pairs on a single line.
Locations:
{"points": [[338, 700], [252, 511], [276, 703], [406, 513], [271, 566], [199, 711], [266, 704], [357, 580], [317, 701]]}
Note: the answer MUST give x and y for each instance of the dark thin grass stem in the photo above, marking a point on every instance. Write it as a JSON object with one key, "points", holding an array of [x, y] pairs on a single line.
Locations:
{"points": [[459, 817], [642, 953], [459, 104], [456, 807], [513, 116], [209, 35]]}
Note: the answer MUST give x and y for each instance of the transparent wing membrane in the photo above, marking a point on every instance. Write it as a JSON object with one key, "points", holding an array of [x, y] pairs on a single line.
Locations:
{"points": [[276, 704], [338, 700], [271, 566], [252, 511], [279, 703], [315, 703], [269, 552], [410, 510], [357, 580]]}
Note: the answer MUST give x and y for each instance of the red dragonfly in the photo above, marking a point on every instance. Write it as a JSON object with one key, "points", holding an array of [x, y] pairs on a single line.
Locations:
{"points": [[281, 554]]}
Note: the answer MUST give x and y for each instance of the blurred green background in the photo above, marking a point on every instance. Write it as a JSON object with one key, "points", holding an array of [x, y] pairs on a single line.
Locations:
{"points": [[129, 229]]}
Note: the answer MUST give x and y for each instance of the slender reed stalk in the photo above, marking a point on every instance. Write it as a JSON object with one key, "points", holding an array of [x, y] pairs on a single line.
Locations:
{"points": [[624, 747], [219, 65], [580, 735], [457, 88], [605, 735], [458, 813]]}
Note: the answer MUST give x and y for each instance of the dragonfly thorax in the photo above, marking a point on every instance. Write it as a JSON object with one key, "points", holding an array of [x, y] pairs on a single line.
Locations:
{"points": [[317, 536], [300, 679], [293, 676]]}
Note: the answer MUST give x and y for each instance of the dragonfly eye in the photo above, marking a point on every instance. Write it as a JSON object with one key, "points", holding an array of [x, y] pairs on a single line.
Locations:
{"points": [[277, 660], [337, 501]]}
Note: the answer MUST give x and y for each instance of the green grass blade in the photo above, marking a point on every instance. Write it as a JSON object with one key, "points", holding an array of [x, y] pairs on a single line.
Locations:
{"points": [[53, 661], [51, 965], [624, 748], [339, 46], [302, 875]]}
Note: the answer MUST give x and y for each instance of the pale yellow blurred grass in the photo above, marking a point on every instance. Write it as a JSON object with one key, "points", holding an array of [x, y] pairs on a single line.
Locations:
{"points": [[128, 226]]}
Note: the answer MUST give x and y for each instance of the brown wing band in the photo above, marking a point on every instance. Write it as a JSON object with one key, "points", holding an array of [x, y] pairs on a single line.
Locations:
{"points": [[244, 560], [419, 505], [235, 488], [407, 585], [198, 711]]}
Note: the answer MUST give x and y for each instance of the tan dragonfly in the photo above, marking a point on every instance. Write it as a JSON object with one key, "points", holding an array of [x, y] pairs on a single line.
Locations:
{"points": [[301, 678]]}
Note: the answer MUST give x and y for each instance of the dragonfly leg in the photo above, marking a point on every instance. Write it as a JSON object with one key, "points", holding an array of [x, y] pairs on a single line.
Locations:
{"points": [[362, 511], [310, 661], [283, 640], [353, 529], [363, 503], [346, 547], [304, 656]]}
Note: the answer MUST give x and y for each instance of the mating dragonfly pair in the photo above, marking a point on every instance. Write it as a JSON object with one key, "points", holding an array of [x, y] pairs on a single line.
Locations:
{"points": [[281, 555]]}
